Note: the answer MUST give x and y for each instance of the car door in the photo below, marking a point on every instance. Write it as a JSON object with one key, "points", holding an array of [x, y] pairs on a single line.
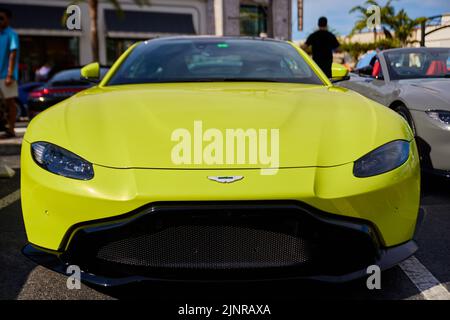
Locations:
{"points": [[356, 83], [380, 91], [361, 77], [378, 86]]}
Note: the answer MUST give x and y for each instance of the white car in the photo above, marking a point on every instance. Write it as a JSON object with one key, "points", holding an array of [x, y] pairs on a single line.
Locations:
{"points": [[415, 82]]}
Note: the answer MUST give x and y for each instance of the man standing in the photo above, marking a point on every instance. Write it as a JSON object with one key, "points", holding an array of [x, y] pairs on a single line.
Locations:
{"points": [[9, 71], [323, 42]]}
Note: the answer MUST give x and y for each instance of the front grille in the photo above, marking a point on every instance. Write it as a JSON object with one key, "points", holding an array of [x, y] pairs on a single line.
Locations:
{"points": [[207, 247], [209, 240]]}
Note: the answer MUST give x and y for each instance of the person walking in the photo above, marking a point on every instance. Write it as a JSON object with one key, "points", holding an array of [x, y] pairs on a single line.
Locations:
{"points": [[9, 71], [322, 42]]}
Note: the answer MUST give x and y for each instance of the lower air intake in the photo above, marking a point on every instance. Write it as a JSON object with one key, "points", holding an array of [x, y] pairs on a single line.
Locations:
{"points": [[233, 239], [207, 247]]}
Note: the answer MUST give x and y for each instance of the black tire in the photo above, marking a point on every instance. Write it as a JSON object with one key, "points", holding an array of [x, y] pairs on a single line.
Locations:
{"points": [[404, 112]]}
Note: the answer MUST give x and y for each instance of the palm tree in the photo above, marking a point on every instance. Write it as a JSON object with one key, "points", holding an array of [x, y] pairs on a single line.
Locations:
{"points": [[403, 26], [93, 14], [386, 16]]}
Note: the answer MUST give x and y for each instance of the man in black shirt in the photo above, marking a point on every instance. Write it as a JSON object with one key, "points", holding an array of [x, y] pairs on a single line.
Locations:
{"points": [[323, 42]]}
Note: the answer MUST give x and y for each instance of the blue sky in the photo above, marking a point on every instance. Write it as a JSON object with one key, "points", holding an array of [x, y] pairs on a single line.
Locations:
{"points": [[340, 20]]}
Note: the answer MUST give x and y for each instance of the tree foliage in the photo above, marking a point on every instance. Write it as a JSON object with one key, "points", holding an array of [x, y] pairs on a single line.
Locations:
{"points": [[356, 49], [387, 13], [396, 25]]}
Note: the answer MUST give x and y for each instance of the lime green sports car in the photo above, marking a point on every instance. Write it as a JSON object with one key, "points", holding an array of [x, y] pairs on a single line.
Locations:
{"points": [[211, 158]]}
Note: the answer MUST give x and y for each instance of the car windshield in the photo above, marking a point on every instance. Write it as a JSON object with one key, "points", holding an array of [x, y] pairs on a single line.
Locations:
{"points": [[411, 64], [214, 60]]}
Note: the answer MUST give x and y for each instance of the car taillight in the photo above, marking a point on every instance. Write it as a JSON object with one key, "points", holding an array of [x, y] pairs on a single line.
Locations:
{"points": [[46, 91], [38, 93]]}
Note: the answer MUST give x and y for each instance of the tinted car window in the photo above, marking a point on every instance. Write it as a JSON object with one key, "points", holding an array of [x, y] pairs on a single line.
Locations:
{"points": [[365, 60], [185, 60]]}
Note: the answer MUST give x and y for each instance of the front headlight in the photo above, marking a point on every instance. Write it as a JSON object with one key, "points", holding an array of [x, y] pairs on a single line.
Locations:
{"points": [[383, 159], [60, 161], [440, 115]]}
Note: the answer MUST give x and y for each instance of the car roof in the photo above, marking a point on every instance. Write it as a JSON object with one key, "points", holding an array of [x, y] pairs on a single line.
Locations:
{"points": [[415, 49], [79, 68], [209, 37]]}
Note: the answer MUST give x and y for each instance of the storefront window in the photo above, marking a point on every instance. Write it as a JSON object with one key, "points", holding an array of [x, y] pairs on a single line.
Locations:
{"points": [[115, 47], [35, 51], [253, 20]]}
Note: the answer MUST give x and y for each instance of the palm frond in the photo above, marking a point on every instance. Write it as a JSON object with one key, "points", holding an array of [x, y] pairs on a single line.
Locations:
{"points": [[358, 9]]}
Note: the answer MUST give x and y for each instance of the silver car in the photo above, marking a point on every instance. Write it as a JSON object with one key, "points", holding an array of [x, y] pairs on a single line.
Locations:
{"points": [[415, 82]]}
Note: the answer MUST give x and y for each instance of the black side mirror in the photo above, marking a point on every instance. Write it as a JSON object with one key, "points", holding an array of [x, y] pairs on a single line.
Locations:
{"points": [[340, 79], [365, 71]]}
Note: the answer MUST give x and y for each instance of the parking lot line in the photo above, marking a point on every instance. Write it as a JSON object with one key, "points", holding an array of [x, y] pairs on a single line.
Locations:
{"points": [[10, 198], [428, 285]]}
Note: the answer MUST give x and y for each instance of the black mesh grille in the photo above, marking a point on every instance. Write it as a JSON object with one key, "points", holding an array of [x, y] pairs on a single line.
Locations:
{"points": [[174, 241], [207, 247]]}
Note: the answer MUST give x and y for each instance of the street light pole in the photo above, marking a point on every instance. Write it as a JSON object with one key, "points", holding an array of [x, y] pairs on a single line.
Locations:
{"points": [[422, 33], [300, 15]]}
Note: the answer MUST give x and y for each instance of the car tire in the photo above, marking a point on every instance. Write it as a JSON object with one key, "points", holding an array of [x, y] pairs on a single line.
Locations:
{"points": [[404, 112]]}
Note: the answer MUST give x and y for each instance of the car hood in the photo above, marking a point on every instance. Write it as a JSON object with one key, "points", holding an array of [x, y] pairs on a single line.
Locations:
{"points": [[436, 89], [132, 125]]}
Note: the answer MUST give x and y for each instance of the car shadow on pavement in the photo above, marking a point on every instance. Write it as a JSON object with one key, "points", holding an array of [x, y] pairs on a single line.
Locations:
{"points": [[14, 267], [434, 238], [435, 189]]}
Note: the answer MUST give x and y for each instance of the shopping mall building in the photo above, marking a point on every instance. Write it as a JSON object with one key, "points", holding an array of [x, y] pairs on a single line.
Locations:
{"points": [[44, 37]]}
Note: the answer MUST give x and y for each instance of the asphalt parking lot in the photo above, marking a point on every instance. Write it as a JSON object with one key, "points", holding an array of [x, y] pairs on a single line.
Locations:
{"points": [[425, 276]]}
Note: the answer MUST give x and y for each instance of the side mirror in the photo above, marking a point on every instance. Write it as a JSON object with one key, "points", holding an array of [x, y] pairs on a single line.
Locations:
{"points": [[91, 72], [339, 73]]}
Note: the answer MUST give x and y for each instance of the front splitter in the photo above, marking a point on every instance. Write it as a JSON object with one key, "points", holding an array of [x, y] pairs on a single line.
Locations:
{"points": [[389, 257]]}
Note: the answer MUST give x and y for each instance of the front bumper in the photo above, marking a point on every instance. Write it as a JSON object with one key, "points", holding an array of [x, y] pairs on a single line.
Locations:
{"points": [[433, 142], [192, 242], [56, 208]]}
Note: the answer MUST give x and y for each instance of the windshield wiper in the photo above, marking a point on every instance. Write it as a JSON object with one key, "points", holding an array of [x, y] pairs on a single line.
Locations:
{"points": [[249, 80], [221, 80]]}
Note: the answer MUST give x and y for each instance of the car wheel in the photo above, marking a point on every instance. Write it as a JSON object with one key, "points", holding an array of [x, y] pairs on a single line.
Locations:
{"points": [[404, 112]]}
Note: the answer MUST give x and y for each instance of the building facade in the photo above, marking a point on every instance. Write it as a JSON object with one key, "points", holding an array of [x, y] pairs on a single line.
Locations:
{"points": [[251, 17], [44, 37], [438, 33]]}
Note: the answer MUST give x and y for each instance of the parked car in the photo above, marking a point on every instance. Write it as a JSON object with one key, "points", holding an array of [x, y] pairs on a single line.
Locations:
{"points": [[415, 82], [22, 100], [61, 86], [109, 184]]}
